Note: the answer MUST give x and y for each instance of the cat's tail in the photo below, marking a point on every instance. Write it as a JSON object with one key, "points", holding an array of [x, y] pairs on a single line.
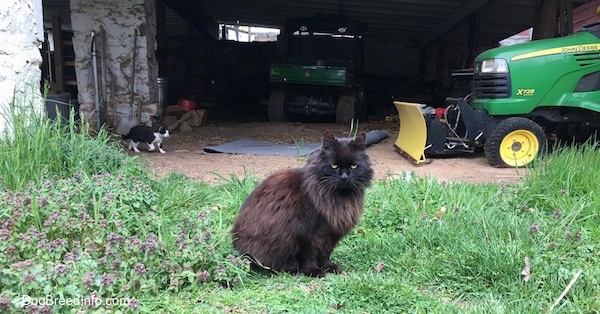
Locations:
{"points": [[125, 136]]}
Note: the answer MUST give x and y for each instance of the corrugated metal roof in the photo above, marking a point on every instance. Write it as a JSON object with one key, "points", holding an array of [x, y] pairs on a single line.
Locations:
{"points": [[418, 20]]}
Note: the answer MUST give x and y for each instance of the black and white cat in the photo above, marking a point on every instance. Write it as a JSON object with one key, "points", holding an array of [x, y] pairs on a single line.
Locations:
{"points": [[151, 135]]}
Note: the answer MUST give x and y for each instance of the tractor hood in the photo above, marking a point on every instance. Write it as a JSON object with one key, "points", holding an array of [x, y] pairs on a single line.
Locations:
{"points": [[579, 42]]}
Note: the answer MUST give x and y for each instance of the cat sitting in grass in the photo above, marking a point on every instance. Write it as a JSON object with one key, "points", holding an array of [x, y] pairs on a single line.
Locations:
{"points": [[293, 220], [151, 135]]}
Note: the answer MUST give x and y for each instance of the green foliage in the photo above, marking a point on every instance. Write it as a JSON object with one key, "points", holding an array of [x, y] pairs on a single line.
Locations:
{"points": [[429, 247], [89, 231], [422, 246], [108, 236], [353, 132], [33, 144]]}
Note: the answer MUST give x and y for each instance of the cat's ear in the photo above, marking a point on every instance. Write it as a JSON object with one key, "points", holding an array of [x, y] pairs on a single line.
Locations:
{"points": [[360, 141], [328, 139]]}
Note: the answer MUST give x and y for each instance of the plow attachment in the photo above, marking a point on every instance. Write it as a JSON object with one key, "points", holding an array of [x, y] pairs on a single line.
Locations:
{"points": [[412, 135], [425, 130]]}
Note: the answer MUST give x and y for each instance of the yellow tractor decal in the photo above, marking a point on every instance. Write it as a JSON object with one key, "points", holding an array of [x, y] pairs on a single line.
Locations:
{"points": [[525, 92], [557, 50]]}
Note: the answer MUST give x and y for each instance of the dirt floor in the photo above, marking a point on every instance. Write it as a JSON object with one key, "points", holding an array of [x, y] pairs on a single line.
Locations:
{"points": [[184, 154]]}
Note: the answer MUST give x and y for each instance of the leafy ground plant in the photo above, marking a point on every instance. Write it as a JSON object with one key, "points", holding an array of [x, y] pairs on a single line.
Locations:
{"points": [[423, 246], [98, 235], [33, 144]]}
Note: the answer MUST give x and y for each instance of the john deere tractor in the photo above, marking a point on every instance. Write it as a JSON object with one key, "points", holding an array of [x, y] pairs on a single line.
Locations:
{"points": [[322, 72], [520, 95]]}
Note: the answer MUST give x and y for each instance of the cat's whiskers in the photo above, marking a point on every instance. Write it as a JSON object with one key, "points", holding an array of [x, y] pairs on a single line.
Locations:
{"points": [[328, 183]]}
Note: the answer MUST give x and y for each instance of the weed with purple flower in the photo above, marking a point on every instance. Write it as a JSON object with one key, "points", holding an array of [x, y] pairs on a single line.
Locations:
{"points": [[112, 238], [107, 230], [79, 218]]}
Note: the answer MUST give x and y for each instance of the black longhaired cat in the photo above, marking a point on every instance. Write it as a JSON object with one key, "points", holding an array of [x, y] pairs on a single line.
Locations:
{"points": [[293, 219], [151, 135]]}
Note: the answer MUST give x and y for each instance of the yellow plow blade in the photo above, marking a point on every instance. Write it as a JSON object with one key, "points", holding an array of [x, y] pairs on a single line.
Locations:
{"points": [[412, 135]]}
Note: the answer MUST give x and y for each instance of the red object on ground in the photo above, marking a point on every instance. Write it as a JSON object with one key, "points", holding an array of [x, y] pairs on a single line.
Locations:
{"points": [[189, 105], [439, 112]]}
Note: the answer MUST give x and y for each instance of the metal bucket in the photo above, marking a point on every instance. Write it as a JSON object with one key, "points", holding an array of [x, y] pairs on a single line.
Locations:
{"points": [[163, 92], [58, 107]]}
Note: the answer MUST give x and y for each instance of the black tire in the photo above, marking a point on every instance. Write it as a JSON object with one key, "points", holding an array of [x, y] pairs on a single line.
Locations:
{"points": [[515, 142], [276, 107], [574, 132], [345, 110]]}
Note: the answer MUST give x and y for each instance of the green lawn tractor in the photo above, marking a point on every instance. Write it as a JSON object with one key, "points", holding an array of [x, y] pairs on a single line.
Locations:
{"points": [[520, 95], [323, 73]]}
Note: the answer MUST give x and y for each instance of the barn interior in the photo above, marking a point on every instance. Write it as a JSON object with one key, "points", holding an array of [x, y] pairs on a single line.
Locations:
{"points": [[216, 54]]}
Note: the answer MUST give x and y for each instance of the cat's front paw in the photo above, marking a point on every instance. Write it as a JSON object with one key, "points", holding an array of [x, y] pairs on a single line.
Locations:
{"points": [[333, 268], [314, 272], [162, 151]]}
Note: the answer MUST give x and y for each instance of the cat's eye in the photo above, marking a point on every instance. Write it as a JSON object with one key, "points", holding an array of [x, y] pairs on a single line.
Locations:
{"points": [[353, 166], [334, 166]]}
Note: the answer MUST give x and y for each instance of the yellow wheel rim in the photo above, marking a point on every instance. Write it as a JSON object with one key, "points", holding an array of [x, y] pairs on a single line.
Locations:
{"points": [[519, 148]]}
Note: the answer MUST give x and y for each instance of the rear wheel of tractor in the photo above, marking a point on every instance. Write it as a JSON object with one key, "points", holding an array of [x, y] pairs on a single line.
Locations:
{"points": [[344, 112], [515, 142], [276, 108], [574, 132]]}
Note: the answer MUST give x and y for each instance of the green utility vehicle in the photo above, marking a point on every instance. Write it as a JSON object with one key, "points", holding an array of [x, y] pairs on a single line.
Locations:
{"points": [[322, 75], [520, 95]]}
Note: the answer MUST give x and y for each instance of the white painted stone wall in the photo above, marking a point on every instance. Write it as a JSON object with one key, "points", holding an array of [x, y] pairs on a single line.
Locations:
{"points": [[21, 36], [119, 19]]}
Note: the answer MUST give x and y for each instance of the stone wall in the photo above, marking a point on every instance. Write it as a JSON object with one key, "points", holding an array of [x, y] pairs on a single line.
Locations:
{"points": [[21, 36], [120, 20]]}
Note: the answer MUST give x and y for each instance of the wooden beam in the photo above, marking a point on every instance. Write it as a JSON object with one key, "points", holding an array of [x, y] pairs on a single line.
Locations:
{"points": [[58, 86], [553, 18], [566, 18], [161, 37], [544, 22], [453, 20]]}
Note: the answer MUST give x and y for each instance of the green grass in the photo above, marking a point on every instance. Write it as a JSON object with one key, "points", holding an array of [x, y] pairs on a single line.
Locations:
{"points": [[35, 145], [467, 258], [470, 260]]}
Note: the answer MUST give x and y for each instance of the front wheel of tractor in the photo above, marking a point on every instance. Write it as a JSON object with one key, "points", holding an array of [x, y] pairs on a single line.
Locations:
{"points": [[515, 142]]}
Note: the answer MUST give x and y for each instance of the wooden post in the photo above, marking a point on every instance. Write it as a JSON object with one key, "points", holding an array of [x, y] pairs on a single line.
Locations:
{"points": [[103, 78], [58, 86], [161, 38], [566, 17], [553, 18]]}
